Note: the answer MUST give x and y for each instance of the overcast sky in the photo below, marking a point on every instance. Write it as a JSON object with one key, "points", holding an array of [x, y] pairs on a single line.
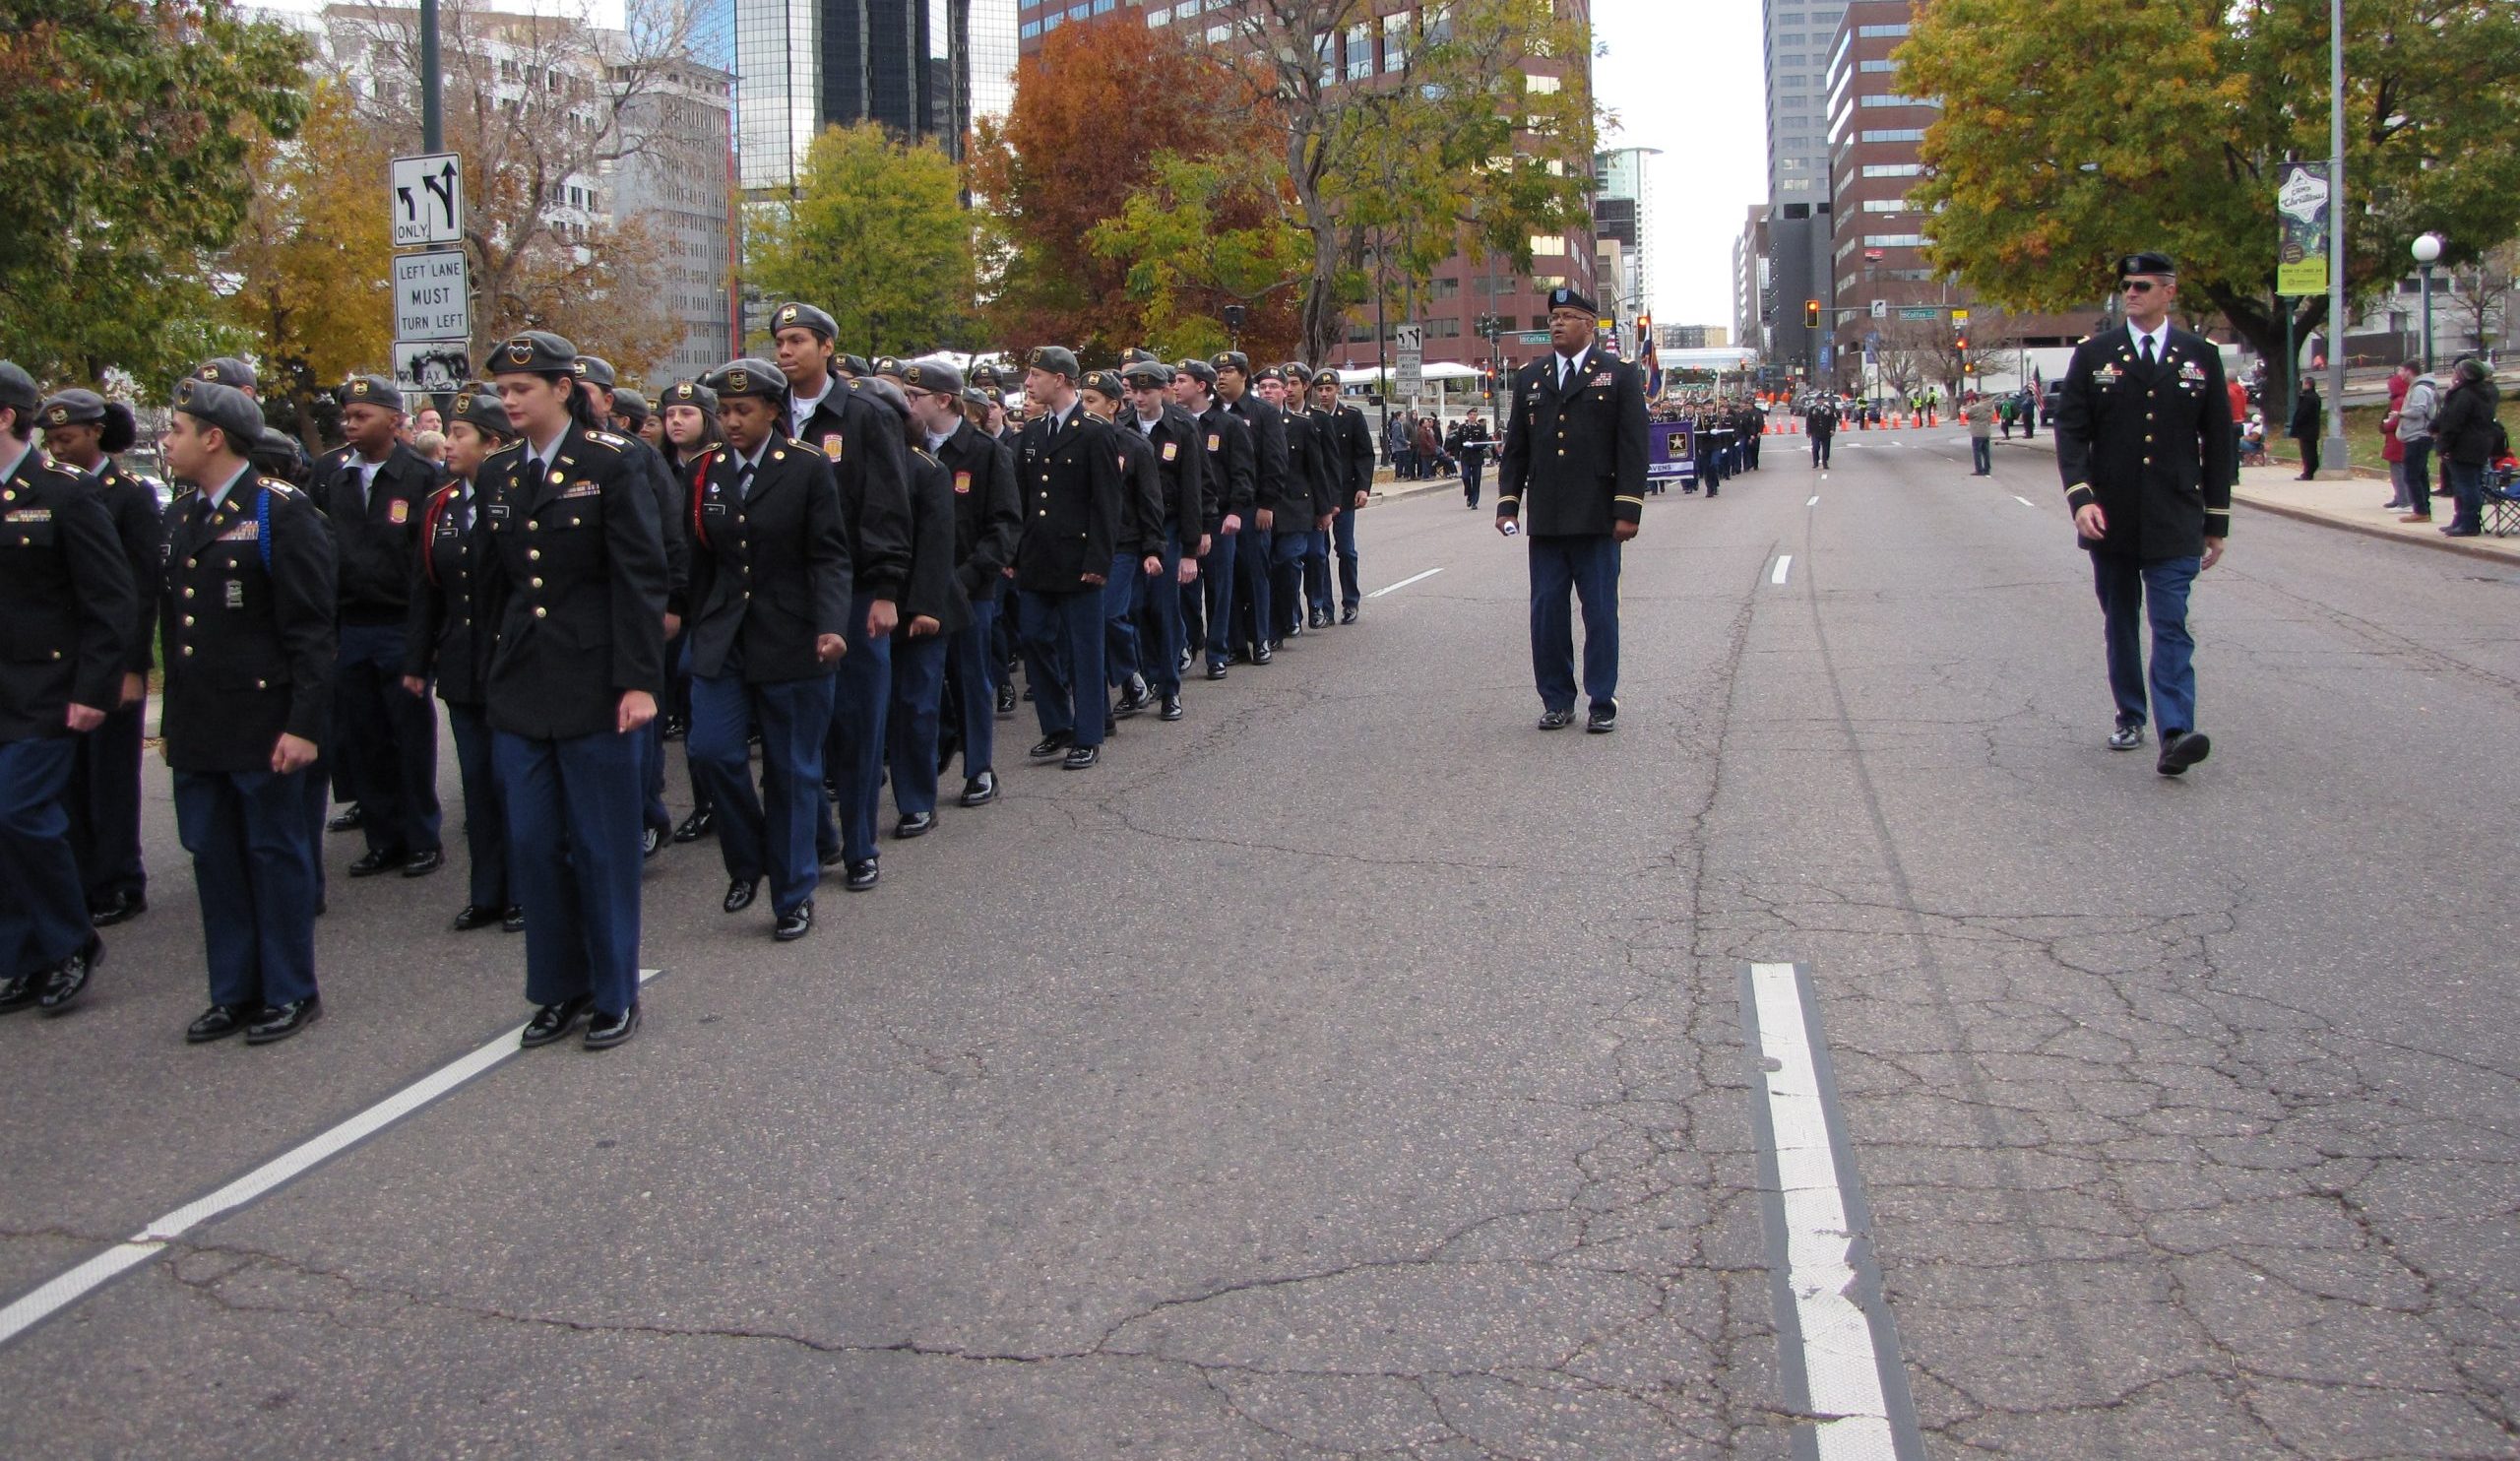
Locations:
{"points": [[1685, 76]]}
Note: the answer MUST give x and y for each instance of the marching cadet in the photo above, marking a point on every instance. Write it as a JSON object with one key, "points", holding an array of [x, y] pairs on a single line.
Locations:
{"points": [[689, 418], [82, 430], [572, 580], [1138, 556], [1575, 447], [67, 596], [1246, 629], [1179, 459], [1302, 509], [371, 491], [1228, 480], [1068, 467], [932, 611], [448, 641], [987, 517], [247, 620], [655, 824], [769, 620], [1353, 474], [863, 441]]}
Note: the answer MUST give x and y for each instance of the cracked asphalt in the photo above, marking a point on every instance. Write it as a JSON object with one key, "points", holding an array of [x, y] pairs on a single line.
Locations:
{"points": [[1351, 1070]]}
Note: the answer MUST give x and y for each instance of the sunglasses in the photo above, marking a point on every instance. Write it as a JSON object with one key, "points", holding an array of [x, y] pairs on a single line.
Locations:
{"points": [[2137, 286]]}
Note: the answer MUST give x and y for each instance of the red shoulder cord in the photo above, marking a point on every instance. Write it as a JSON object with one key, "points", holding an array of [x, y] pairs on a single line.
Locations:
{"points": [[428, 529], [698, 490]]}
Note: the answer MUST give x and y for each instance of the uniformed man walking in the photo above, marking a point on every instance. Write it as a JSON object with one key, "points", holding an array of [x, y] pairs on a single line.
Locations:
{"points": [[1573, 474], [1182, 463], [1229, 477], [67, 596], [987, 516], [2145, 446], [1246, 629], [1067, 465], [1353, 467], [672, 519]]}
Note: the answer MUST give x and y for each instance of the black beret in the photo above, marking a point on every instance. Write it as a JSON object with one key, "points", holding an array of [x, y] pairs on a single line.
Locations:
{"points": [[73, 408], [1270, 372], [888, 394], [229, 408], [227, 371], [2147, 262], [692, 393], [1148, 372], [1226, 360], [749, 376], [1199, 370], [371, 390], [1106, 382], [596, 370], [1057, 359], [482, 406], [854, 366], [932, 375], [796, 312], [1566, 299], [629, 403], [534, 353]]}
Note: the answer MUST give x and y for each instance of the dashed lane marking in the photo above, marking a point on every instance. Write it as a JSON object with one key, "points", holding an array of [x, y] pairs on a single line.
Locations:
{"points": [[1404, 583], [2024, 501], [1784, 561], [1815, 502]]}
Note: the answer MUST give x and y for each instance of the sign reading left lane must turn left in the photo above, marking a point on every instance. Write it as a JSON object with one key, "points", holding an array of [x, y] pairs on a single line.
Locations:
{"points": [[432, 296]]}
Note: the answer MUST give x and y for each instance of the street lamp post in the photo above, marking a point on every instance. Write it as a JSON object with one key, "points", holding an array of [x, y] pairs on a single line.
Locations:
{"points": [[2335, 453], [2428, 252]]}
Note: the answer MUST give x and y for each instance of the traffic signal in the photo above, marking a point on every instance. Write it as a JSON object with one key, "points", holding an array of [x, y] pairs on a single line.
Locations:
{"points": [[1810, 315], [1960, 329]]}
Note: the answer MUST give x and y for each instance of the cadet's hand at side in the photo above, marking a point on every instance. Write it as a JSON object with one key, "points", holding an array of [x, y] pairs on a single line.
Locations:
{"points": [[2091, 522], [414, 687], [638, 708], [2213, 554], [1622, 529], [882, 619], [828, 647], [85, 718], [292, 753]]}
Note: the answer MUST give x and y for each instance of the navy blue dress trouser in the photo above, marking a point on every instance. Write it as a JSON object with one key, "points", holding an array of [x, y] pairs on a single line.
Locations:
{"points": [[43, 912], [572, 857], [1586, 565], [771, 834], [254, 866]]}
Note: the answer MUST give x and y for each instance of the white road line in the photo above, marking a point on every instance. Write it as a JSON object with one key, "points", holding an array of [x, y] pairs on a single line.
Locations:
{"points": [[1784, 561], [1815, 502], [2024, 501], [1840, 1363], [1404, 583], [69, 1288]]}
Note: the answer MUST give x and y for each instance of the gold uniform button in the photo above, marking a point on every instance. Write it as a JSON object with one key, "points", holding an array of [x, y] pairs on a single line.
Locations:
{"points": [[537, 583], [192, 562], [188, 621], [540, 613], [531, 526], [188, 593], [2148, 461], [262, 684], [188, 649], [533, 556], [57, 654]]}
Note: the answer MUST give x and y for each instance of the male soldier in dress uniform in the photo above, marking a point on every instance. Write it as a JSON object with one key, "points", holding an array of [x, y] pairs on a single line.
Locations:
{"points": [[1303, 506], [2144, 443], [82, 430], [247, 620], [674, 517], [1575, 453], [1230, 488], [770, 621], [1246, 629], [1181, 461], [1138, 555], [1067, 465], [863, 441], [989, 515], [373, 491], [66, 597], [933, 611], [1352, 466]]}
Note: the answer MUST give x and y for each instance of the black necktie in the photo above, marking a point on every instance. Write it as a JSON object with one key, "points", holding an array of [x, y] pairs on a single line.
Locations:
{"points": [[2148, 352], [464, 512], [744, 483], [533, 470]]}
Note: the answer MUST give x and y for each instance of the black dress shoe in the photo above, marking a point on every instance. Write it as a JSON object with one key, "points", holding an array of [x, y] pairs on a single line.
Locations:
{"points": [[1172, 709], [278, 1021], [981, 789], [1320, 619], [350, 819], [795, 923], [421, 865], [2182, 749], [1007, 700], [371, 863], [475, 916], [121, 908], [1052, 745], [552, 1021], [740, 894], [1602, 717], [1556, 720], [862, 874], [697, 825], [1081, 757], [217, 1022], [19, 992], [69, 977], [1181, 663], [1133, 699], [1348, 616], [604, 1030], [675, 728], [1262, 653], [1215, 670], [914, 824], [512, 920], [651, 840]]}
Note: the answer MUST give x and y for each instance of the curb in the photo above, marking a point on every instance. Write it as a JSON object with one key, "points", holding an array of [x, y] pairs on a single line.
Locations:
{"points": [[2461, 546]]}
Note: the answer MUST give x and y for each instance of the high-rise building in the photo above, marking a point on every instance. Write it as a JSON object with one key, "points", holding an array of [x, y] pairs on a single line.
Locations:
{"points": [[1795, 41], [805, 65], [993, 57], [1624, 208], [676, 173], [1750, 294]]}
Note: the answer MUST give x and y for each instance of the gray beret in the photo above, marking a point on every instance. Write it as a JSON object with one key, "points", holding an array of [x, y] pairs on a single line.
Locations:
{"points": [[229, 408], [1057, 359], [371, 390], [887, 392], [18, 388], [932, 375], [227, 371], [73, 408], [534, 353], [796, 312], [596, 370], [747, 377]]}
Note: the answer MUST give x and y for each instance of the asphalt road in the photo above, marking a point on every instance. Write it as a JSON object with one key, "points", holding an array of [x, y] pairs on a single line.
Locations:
{"points": [[1352, 1069]]}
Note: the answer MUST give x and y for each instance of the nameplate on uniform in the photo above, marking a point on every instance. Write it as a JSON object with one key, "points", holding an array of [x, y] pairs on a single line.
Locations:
{"points": [[1214, 441], [398, 512], [498, 509], [832, 445], [962, 482], [715, 506], [1172, 449], [582, 489], [248, 530], [235, 594], [31, 515], [2106, 375]]}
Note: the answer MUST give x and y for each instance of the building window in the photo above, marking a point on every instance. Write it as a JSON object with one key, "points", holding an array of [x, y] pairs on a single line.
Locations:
{"points": [[1894, 240], [1360, 52], [1155, 18], [1444, 288], [1887, 204], [1395, 41], [1878, 66], [1548, 245], [1894, 169], [1895, 102], [1881, 33], [1539, 86], [1895, 134]]}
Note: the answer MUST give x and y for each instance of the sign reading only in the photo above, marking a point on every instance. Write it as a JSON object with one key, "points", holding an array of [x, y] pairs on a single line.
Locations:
{"points": [[432, 296], [427, 200]]}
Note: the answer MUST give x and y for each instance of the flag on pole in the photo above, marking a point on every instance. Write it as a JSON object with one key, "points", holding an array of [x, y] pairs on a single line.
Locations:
{"points": [[1651, 364]]}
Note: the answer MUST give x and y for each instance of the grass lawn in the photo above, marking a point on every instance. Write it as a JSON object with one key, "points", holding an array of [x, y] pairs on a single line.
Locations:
{"points": [[2363, 436]]}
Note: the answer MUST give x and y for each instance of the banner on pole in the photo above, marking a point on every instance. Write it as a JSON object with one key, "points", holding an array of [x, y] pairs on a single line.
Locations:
{"points": [[2301, 207], [1670, 451]]}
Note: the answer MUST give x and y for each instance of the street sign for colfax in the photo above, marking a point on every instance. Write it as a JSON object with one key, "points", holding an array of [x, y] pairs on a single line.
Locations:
{"points": [[425, 197], [432, 296]]}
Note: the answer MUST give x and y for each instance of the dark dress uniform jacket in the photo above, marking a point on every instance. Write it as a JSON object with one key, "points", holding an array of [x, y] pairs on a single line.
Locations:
{"points": [[1574, 462], [770, 571], [132, 507], [1181, 461], [674, 520], [1142, 494], [66, 601], [249, 644], [1352, 452], [445, 635], [2153, 448], [1269, 453], [574, 580], [1227, 483], [933, 590], [378, 542], [1071, 486], [861, 438], [988, 515], [1311, 489]]}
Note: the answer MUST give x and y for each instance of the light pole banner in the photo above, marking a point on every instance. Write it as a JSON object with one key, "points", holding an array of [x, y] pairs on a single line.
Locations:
{"points": [[2300, 206]]}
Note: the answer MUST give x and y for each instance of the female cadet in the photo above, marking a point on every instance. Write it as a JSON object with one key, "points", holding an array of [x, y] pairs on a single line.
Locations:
{"points": [[688, 414], [573, 575], [445, 638]]}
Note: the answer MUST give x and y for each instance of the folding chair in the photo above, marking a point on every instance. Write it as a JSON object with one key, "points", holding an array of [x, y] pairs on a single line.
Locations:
{"points": [[2501, 501]]}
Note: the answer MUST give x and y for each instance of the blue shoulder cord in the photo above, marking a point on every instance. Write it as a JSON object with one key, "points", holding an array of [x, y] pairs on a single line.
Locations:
{"points": [[262, 524]]}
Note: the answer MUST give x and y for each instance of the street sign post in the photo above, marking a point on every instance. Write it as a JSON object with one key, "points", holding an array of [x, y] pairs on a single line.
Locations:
{"points": [[432, 364], [1408, 351], [432, 296], [426, 197]]}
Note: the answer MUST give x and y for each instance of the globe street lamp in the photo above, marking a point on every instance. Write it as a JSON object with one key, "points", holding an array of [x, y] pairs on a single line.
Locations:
{"points": [[2427, 249]]}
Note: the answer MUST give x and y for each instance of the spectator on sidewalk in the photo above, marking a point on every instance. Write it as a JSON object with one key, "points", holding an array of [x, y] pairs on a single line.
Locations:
{"points": [[1979, 414], [2238, 390], [2392, 450], [2308, 420], [2466, 431], [2416, 415], [1430, 449]]}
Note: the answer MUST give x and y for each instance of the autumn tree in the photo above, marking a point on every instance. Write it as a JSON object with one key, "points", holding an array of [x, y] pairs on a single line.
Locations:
{"points": [[1203, 234], [2048, 162], [878, 238], [129, 126]]}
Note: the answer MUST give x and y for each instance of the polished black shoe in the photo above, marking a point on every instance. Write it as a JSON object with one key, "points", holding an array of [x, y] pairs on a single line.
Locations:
{"points": [[862, 874], [1007, 700], [697, 825], [1052, 745], [1172, 709], [676, 728], [350, 819], [981, 789], [19, 991], [512, 921], [1293, 631], [651, 840], [475, 916], [421, 865], [553, 1021], [1182, 662], [371, 863], [1602, 717], [795, 923], [278, 1021], [121, 908], [604, 1030], [914, 824], [740, 894], [1081, 757], [2126, 737], [1262, 653], [1215, 670], [1556, 720], [1348, 616], [217, 1022], [1134, 697], [1320, 619], [68, 980], [2182, 749]]}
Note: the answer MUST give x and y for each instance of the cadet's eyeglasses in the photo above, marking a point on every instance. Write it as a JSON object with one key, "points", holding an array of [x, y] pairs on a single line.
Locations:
{"points": [[2137, 285]]}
